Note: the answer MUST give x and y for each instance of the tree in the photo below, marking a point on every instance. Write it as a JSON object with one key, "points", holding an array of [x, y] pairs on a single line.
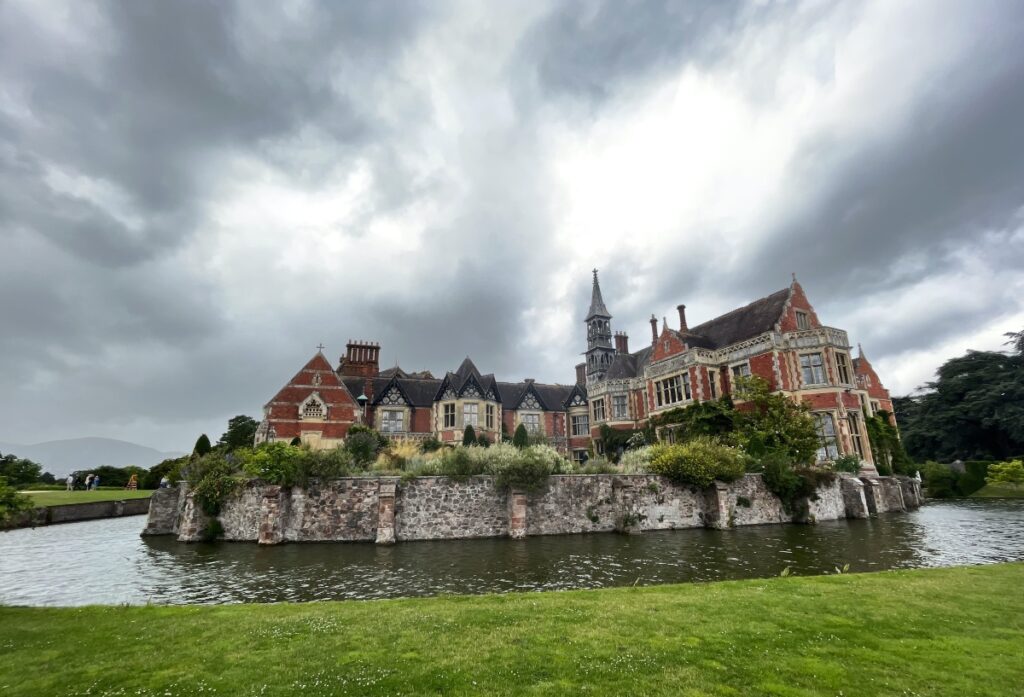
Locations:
{"points": [[202, 445], [11, 502], [974, 410], [469, 435], [769, 423], [241, 433], [19, 471], [521, 438], [1016, 341]]}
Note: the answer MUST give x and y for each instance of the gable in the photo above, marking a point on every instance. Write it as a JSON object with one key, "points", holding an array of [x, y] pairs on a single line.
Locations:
{"points": [[669, 344]]}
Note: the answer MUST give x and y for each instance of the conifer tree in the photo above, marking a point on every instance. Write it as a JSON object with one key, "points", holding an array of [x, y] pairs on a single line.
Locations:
{"points": [[469, 435], [202, 445], [521, 438]]}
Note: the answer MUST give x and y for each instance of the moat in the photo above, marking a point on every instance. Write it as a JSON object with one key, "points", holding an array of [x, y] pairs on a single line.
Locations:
{"points": [[106, 562]]}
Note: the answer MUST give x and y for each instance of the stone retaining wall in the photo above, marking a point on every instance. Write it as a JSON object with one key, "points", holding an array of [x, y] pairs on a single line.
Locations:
{"points": [[385, 509], [75, 512]]}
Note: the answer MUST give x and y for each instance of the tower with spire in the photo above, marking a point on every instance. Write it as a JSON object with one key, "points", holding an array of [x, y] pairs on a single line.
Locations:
{"points": [[600, 350]]}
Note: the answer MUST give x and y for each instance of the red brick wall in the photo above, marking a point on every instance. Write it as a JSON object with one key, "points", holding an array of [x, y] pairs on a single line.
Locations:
{"points": [[671, 340], [798, 301]]}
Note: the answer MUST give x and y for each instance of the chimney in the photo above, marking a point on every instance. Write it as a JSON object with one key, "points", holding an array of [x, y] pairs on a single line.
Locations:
{"points": [[581, 373], [362, 358], [654, 330], [621, 342], [682, 318]]}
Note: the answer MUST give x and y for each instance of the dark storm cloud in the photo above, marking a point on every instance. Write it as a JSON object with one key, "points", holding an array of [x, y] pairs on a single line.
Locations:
{"points": [[122, 126]]}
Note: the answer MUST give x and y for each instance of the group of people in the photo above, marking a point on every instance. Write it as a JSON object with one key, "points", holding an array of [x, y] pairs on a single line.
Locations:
{"points": [[92, 481]]}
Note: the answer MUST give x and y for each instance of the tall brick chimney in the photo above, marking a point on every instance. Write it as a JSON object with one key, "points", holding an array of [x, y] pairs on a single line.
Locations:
{"points": [[581, 373], [682, 318], [362, 358], [621, 342], [654, 330]]}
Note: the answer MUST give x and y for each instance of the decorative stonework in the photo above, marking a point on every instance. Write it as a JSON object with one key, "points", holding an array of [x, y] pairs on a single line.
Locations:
{"points": [[529, 402]]}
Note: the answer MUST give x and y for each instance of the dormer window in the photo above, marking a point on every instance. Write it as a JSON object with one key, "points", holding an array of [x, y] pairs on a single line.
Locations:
{"points": [[803, 321]]}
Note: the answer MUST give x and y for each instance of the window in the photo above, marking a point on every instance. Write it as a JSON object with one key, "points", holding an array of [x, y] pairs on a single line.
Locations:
{"points": [[598, 410], [741, 371], [531, 421], [858, 444], [686, 386], [620, 409], [314, 409], [843, 364], [802, 321], [579, 456], [490, 416], [670, 390], [449, 416], [826, 436], [580, 425], [875, 406], [813, 369], [713, 381], [470, 414], [391, 421]]}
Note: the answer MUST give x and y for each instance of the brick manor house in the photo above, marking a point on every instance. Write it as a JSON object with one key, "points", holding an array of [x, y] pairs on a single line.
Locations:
{"points": [[778, 338]]}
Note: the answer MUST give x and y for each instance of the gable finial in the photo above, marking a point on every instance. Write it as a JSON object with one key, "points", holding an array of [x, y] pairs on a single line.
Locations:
{"points": [[794, 276], [320, 347]]}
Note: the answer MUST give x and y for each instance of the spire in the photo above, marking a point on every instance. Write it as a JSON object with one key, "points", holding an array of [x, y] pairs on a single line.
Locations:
{"points": [[597, 308]]}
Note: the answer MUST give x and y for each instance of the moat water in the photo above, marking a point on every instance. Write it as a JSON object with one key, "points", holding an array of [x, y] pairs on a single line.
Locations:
{"points": [[107, 562]]}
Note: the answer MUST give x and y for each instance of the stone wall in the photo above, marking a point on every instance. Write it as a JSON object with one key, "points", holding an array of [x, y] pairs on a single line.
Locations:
{"points": [[386, 509], [439, 508], [76, 512]]}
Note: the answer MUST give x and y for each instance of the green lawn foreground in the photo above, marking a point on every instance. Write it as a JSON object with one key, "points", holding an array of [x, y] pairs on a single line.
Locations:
{"points": [[956, 631], [999, 491], [57, 498]]}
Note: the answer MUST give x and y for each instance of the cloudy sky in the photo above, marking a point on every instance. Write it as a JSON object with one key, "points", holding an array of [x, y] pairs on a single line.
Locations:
{"points": [[194, 195]]}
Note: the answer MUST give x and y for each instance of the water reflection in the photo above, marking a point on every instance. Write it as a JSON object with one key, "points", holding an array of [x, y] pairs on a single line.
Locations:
{"points": [[107, 562]]}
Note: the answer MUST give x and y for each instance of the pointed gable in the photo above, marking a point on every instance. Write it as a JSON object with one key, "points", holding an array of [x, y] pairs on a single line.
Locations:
{"points": [[867, 378], [669, 344], [392, 393], [316, 376], [577, 397]]}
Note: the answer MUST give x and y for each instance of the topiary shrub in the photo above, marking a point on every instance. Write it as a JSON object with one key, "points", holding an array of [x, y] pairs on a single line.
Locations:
{"points": [[202, 446], [469, 435], [521, 438]]}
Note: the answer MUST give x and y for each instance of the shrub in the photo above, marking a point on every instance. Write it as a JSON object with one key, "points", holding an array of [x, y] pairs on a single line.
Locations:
{"points": [[483, 441], [469, 435], [461, 463], [521, 438], [169, 468], [322, 464], [276, 463], [212, 480], [431, 444], [597, 466], [1011, 473], [636, 461], [363, 445], [847, 463], [795, 486], [699, 461], [528, 472], [19, 471], [11, 502]]}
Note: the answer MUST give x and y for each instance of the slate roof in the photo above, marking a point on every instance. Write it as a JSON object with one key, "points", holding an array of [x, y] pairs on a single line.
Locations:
{"points": [[551, 396], [741, 324], [628, 365], [419, 391]]}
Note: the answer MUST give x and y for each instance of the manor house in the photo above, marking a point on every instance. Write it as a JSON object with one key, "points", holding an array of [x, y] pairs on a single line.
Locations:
{"points": [[778, 338]]}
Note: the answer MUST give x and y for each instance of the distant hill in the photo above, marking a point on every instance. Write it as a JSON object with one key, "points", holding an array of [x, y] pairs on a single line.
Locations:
{"points": [[63, 456]]}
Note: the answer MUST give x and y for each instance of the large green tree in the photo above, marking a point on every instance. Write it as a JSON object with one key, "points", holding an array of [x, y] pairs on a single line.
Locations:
{"points": [[974, 410], [240, 434], [19, 471]]}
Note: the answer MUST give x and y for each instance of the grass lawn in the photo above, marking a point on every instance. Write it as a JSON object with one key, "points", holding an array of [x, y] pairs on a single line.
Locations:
{"points": [[55, 498], [1000, 491], [924, 632]]}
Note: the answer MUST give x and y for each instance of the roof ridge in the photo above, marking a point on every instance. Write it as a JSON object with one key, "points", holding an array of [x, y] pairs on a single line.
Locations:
{"points": [[738, 309]]}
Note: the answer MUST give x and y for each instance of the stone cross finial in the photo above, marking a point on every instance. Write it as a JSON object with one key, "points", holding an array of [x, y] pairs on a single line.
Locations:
{"points": [[320, 346]]}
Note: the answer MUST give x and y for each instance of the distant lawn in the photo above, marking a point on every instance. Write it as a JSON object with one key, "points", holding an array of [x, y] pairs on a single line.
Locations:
{"points": [[56, 498], [929, 632], [999, 491]]}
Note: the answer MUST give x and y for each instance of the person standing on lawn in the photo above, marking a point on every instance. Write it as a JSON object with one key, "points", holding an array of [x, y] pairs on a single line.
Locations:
{"points": [[96, 482], [71, 482], [88, 482]]}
